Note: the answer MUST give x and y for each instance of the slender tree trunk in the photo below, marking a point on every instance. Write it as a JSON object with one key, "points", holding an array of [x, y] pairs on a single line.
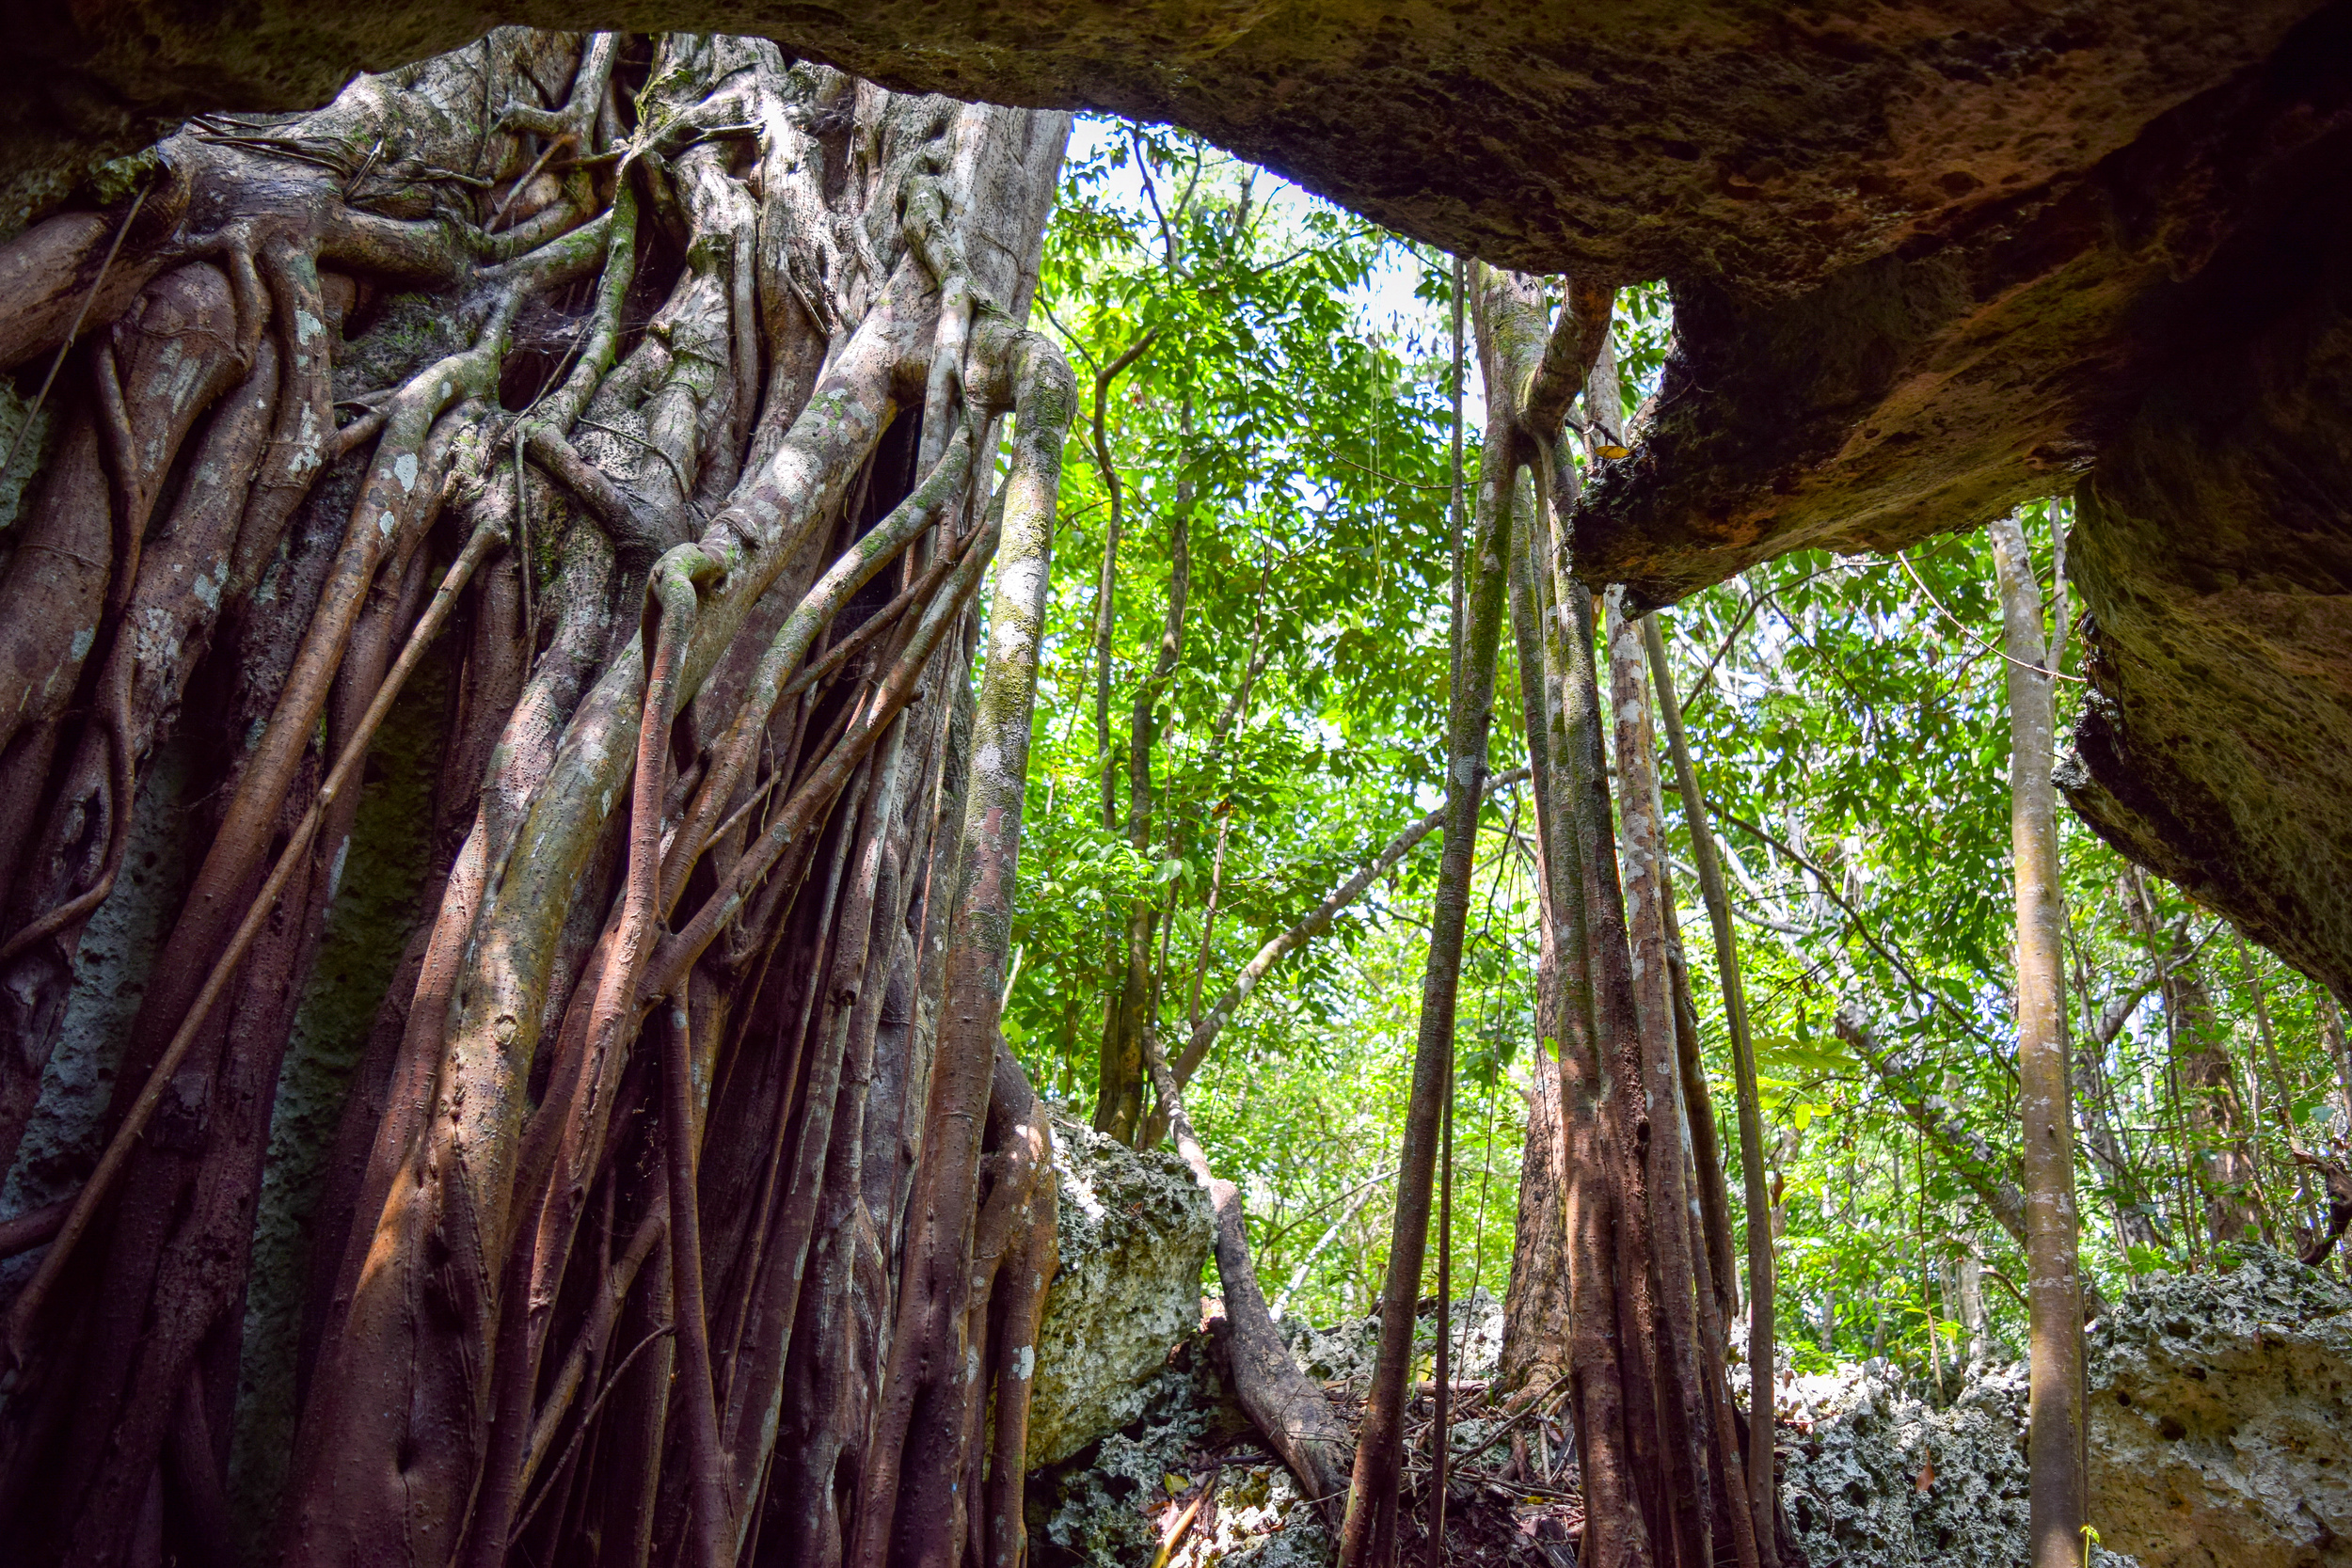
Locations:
{"points": [[1458, 504], [2216, 1135], [2056, 1426], [1967, 1276], [1106, 584], [1537, 1337], [715, 764], [1692, 1317], [1608, 1349], [1710, 1191], [1370, 1534], [1762, 1500], [1441, 1362], [1535, 1349], [2338, 1043], [1120, 1078], [2217, 1120]]}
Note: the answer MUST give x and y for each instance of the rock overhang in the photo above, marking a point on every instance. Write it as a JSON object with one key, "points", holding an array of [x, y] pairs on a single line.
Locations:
{"points": [[1928, 262]]}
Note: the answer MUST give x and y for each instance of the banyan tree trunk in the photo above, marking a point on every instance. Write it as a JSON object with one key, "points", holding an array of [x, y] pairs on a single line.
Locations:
{"points": [[519, 531], [1662, 1471]]}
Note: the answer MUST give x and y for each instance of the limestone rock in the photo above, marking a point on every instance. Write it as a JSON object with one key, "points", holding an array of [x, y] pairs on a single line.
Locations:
{"points": [[1134, 1231], [2220, 1437], [1887, 1482], [1256, 1518], [2221, 1421], [1345, 1352], [1105, 1507], [1111, 1503]]}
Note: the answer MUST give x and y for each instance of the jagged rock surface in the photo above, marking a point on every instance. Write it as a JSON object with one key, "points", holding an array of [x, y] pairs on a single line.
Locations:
{"points": [[1766, 147], [1111, 1506], [2221, 1421], [1133, 1230], [1107, 1504], [1887, 1482], [1928, 261], [2220, 1437], [2215, 553]]}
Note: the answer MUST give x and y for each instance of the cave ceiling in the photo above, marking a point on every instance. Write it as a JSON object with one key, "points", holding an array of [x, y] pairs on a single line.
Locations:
{"points": [[1929, 260]]}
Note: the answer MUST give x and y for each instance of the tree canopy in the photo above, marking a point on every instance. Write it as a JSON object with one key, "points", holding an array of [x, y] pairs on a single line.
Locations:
{"points": [[1289, 398]]}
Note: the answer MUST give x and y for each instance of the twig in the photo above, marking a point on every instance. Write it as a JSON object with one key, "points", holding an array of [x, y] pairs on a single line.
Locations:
{"points": [[1512, 1425], [1176, 1536], [1970, 634]]}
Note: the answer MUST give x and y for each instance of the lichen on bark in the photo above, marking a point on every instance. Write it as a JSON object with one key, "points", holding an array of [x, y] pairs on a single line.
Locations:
{"points": [[454, 475]]}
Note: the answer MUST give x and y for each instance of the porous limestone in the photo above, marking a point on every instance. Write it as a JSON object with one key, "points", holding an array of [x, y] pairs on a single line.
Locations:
{"points": [[1886, 1480], [1134, 1231], [2220, 1437], [2221, 1419]]}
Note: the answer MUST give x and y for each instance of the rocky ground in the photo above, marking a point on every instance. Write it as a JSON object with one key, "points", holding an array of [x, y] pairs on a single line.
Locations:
{"points": [[2220, 1437], [1190, 1472], [1136, 1440]]}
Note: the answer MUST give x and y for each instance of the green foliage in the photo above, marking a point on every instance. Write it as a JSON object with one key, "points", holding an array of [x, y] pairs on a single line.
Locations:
{"points": [[1856, 711], [1849, 719], [1308, 452], [1305, 441]]}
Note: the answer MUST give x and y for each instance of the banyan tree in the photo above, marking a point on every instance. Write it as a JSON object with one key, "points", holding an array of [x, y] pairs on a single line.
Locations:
{"points": [[507, 828]]}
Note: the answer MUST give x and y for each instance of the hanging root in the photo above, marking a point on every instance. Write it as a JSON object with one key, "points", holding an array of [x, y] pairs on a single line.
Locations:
{"points": [[26, 1309], [786, 843]]}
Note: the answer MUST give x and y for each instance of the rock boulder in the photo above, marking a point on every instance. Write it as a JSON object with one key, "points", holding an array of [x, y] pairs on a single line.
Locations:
{"points": [[1133, 1230], [2220, 1437], [2221, 1421]]}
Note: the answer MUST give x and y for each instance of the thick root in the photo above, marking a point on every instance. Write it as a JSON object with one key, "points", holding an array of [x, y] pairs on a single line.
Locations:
{"points": [[748, 823]]}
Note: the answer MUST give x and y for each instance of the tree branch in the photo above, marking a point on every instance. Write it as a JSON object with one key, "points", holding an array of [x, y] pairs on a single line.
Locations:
{"points": [[1317, 922]]}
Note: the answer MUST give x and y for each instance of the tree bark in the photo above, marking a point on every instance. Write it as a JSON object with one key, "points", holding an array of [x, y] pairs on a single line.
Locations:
{"points": [[1691, 1322], [1762, 1499], [1535, 1349], [683, 370], [2057, 1422], [1606, 1349], [2218, 1131], [1369, 1535]]}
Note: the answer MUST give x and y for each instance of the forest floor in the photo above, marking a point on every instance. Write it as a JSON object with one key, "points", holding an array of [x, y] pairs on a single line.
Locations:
{"points": [[2216, 1435], [1190, 1484]]}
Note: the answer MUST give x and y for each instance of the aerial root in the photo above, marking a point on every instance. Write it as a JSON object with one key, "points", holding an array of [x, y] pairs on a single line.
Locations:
{"points": [[24, 1313]]}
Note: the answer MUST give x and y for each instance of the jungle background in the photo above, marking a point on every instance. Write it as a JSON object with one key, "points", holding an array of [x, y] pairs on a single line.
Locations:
{"points": [[1274, 436]]}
